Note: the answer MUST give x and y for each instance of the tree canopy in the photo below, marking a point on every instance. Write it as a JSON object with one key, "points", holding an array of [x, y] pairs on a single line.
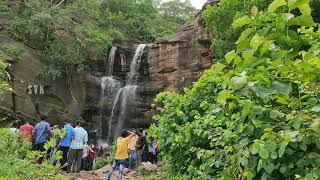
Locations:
{"points": [[69, 33]]}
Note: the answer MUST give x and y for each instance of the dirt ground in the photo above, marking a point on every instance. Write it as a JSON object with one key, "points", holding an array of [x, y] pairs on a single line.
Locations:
{"points": [[101, 175]]}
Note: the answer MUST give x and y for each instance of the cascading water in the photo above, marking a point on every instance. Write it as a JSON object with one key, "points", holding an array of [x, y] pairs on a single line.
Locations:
{"points": [[125, 96], [135, 64], [109, 87], [109, 64]]}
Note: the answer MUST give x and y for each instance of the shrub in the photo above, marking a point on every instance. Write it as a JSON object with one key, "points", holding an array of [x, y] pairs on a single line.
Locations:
{"points": [[196, 65], [4, 76], [106, 160], [219, 19], [256, 117], [17, 159]]}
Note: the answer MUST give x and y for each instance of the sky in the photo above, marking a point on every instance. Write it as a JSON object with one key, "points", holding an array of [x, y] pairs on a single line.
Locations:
{"points": [[198, 3]]}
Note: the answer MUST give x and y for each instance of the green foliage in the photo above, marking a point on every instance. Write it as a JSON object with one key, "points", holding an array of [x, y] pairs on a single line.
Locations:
{"points": [[173, 14], [256, 117], [219, 20], [12, 52], [196, 65], [100, 163], [70, 33], [4, 76], [106, 160], [18, 161], [177, 11], [133, 18]]}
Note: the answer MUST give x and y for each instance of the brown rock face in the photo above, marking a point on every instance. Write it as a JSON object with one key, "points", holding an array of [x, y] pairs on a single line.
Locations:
{"points": [[178, 61], [57, 99]]}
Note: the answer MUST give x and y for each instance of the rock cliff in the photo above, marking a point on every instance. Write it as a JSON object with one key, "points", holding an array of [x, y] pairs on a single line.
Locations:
{"points": [[169, 64], [33, 95], [178, 61]]}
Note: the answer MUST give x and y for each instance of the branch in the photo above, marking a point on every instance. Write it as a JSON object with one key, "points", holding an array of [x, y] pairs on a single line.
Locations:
{"points": [[27, 4], [59, 4]]}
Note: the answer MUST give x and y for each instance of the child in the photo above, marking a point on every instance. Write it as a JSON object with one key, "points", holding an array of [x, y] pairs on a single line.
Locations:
{"points": [[85, 157], [121, 153]]}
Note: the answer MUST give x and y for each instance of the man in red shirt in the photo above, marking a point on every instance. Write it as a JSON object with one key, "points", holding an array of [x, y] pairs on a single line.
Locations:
{"points": [[26, 132]]}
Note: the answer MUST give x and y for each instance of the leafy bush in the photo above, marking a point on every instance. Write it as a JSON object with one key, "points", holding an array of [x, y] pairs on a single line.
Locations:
{"points": [[18, 161], [219, 19], [4, 76], [196, 65], [101, 162], [11, 51], [106, 160], [257, 117]]}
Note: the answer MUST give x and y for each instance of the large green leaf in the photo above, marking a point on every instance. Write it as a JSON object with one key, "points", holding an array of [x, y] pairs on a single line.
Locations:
{"points": [[284, 87], [256, 41], [276, 4], [282, 149], [263, 153], [230, 56], [303, 6], [224, 95], [261, 91], [241, 22], [303, 20]]}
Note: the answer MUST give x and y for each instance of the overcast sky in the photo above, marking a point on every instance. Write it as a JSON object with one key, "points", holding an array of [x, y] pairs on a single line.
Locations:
{"points": [[198, 3]]}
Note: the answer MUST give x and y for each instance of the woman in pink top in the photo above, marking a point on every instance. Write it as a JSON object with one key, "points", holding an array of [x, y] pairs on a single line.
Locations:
{"points": [[26, 132]]}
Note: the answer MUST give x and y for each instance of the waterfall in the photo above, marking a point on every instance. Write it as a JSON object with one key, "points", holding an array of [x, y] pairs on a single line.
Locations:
{"points": [[109, 86], [110, 62], [125, 96], [135, 64], [128, 95]]}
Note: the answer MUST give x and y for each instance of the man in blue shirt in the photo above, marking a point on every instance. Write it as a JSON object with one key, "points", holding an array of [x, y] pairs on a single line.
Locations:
{"points": [[41, 132], [66, 141]]}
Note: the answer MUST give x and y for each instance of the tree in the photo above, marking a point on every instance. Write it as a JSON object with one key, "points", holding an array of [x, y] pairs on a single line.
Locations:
{"points": [[69, 33], [132, 18], [219, 19], [177, 11]]}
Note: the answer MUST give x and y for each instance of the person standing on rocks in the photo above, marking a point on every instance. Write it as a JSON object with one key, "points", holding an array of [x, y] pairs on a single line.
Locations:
{"points": [[79, 139], [66, 142], [140, 146], [41, 131], [121, 153], [92, 154], [132, 151]]}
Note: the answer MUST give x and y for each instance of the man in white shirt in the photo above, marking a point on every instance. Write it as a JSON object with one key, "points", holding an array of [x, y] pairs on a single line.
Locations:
{"points": [[79, 139]]}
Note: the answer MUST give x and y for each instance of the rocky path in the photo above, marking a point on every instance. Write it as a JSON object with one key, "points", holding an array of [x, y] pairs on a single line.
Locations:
{"points": [[101, 175]]}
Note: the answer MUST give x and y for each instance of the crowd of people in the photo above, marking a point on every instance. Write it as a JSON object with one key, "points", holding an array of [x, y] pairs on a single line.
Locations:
{"points": [[132, 147], [77, 153]]}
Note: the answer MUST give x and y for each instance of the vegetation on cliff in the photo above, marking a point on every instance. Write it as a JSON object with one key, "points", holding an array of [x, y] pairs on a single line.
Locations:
{"points": [[257, 115], [4, 76], [68, 33]]}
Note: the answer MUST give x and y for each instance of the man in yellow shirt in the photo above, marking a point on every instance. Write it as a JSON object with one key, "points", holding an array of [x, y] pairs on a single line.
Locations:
{"points": [[121, 153]]}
